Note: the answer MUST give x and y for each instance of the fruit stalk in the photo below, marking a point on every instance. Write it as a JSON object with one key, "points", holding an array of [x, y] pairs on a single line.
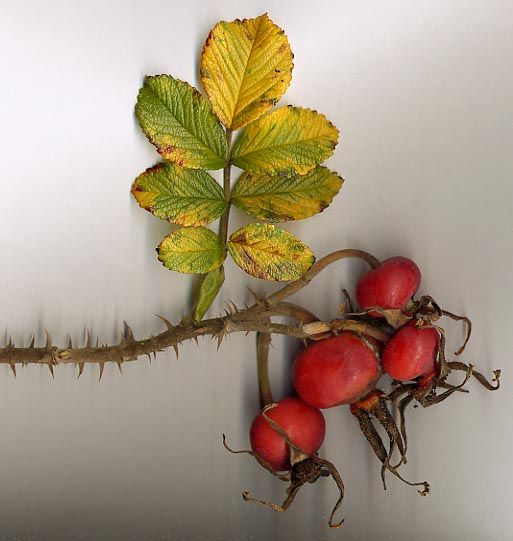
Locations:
{"points": [[264, 384]]}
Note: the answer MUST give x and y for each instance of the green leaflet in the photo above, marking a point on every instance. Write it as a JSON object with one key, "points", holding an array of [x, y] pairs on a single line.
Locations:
{"points": [[286, 141], [188, 197], [279, 199], [246, 66], [266, 252], [209, 287], [192, 250], [178, 120]]}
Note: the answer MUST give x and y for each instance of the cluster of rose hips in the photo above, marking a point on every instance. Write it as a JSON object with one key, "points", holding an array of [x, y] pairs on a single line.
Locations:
{"points": [[344, 368]]}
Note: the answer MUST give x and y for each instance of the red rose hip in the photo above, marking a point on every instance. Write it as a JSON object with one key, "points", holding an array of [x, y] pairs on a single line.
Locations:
{"points": [[391, 285], [411, 353], [303, 424], [334, 371]]}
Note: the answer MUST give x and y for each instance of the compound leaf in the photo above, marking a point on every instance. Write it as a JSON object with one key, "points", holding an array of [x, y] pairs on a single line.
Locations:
{"points": [[246, 66], [264, 251], [286, 141], [192, 250], [186, 197], [178, 120], [279, 199]]}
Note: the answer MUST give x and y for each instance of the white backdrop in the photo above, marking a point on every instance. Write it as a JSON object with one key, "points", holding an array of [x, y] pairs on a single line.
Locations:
{"points": [[422, 93]]}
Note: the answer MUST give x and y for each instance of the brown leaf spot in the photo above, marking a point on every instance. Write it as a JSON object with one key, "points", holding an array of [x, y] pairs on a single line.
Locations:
{"points": [[252, 265], [241, 237], [166, 150]]}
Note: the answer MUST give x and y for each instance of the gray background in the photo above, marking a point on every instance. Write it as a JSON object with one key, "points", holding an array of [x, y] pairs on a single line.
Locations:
{"points": [[422, 93]]}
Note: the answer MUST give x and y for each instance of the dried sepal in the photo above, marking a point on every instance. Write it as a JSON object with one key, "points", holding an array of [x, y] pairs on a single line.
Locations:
{"points": [[374, 405], [487, 384]]}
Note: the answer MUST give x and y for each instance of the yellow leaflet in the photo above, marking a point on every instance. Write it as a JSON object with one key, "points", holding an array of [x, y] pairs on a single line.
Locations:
{"points": [[188, 197], [287, 141], [193, 250], [266, 252], [279, 199], [246, 66]]}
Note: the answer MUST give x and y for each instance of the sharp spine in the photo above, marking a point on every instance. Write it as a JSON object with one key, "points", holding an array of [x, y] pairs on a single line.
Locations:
{"points": [[129, 335], [48, 342], [81, 367], [102, 368], [170, 327]]}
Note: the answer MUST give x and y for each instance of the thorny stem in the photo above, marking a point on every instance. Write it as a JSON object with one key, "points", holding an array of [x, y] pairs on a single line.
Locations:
{"points": [[129, 349]]}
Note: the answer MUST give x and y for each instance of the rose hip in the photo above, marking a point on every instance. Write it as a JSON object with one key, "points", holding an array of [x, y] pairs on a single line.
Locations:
{"points": [[412, 352], [337, 370], [391, 285], [303, 425]]}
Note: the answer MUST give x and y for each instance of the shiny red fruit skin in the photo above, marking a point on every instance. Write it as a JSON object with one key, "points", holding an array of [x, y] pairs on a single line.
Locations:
{"points": [[334, 371], [391, 285], [303, 424], [411, 353]]}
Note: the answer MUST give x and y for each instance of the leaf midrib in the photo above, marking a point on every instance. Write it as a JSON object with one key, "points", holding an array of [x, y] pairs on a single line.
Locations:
{"points": [[191, 134]]}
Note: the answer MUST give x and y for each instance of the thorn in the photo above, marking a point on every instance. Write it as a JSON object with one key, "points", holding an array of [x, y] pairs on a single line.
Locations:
{"points": [[149, 357], [257, 298], [48, 343], [175, 347], [102, 368], [234, 307], [97, 342], [13, 368], [32, 340], [221, 335], [119, 366], [88, 339], [69, 343], [50, 367], [129, 335], [167, 323], [154, 355], [10, 343], [80, 369]]}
